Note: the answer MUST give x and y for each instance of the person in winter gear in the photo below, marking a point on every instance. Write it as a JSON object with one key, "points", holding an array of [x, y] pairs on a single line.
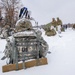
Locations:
{"points": [[59, 22], [53, 22], [53, 26], [59, 25]]}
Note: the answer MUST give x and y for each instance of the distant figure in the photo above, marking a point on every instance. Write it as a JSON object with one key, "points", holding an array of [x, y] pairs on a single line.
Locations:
{"points": [[66, 26], [1, 18], [23, 11]]}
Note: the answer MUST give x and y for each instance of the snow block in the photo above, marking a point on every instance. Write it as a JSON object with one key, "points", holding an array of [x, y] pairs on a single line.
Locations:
{"points": [[11, 67]]}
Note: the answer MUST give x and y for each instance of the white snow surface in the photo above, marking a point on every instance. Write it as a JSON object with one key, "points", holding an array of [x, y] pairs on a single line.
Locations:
{"points": [[61, 61], [26, 33]]}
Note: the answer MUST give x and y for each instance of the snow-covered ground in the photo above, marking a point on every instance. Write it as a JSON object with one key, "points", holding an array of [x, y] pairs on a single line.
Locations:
{"points": [[61, 61]]}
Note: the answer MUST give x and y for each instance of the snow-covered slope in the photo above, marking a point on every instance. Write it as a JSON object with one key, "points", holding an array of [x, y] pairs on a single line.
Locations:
{"points": [[61, 61]]}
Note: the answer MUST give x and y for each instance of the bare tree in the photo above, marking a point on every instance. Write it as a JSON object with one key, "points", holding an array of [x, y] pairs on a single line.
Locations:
{"points": [[10, 8], [0, 12], [0, 17]]}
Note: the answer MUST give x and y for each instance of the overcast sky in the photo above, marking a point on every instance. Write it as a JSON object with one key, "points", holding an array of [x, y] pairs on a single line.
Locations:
{"points": [[44, 10]]}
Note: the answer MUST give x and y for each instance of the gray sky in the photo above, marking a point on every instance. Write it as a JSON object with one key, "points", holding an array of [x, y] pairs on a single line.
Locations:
{"points": [[44, 10]]}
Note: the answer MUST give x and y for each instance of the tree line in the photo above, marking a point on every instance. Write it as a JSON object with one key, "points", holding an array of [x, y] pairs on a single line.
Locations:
{"points": [[9, 12]]}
